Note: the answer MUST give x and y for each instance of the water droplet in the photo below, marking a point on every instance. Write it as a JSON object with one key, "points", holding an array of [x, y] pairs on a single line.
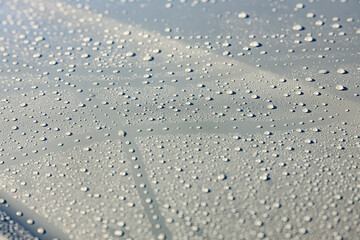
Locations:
{"points": [[243, 15]]}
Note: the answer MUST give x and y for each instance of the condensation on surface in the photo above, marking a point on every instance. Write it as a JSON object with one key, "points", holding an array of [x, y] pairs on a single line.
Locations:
{"points": [[179, 119]]}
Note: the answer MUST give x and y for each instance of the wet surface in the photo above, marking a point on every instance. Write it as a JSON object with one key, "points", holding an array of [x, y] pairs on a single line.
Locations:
{"points": [[179, 119]]}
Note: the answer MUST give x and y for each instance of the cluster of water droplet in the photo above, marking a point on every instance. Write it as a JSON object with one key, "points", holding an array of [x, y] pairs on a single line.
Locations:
{"points": [[246, 128]]}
